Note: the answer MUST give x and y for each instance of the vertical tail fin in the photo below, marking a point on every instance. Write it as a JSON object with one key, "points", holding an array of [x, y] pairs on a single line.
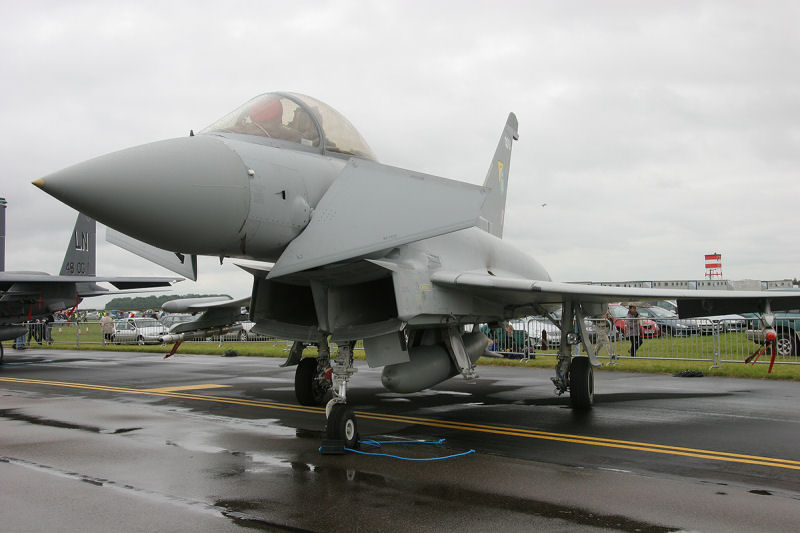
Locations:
{"points": [[493, 210], [80, 257]]}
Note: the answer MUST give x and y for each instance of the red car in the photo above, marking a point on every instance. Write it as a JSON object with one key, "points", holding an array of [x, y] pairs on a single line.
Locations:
{"points": [[649, 329]]}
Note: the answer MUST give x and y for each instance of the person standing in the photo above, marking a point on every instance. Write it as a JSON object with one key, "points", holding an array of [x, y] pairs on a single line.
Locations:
{"points": [[602, 327], [48, 329], [107, 326], [35, 331], [632, 329]]}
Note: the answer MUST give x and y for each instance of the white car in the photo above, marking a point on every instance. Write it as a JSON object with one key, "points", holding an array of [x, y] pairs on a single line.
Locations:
{"points": [[171, 321], [138, 330], [241, 332]]}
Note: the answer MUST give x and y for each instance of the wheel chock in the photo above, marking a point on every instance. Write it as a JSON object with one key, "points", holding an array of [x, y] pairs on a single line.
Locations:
{"points": [[332, 447]]}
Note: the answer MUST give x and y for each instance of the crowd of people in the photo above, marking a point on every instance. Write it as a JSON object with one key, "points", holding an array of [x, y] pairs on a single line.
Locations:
{"points": [[41, 330]]}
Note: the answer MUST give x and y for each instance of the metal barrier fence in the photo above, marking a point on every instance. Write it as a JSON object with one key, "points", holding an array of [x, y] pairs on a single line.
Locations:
{"points": [[714, 341], [727, 340], [72, 333], [90, 332]]}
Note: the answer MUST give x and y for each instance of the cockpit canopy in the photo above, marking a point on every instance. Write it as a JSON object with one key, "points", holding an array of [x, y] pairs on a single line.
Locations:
{"points": [[298, 119]]}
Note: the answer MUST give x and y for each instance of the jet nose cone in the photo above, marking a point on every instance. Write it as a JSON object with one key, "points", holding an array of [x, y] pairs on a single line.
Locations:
{"points": [[188, 194]]}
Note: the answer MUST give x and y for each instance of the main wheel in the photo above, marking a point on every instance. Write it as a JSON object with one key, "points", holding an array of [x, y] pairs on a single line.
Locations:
{"points": [[581, 383], [243, 336], [140, 340], [342, 425], [309, 387]]}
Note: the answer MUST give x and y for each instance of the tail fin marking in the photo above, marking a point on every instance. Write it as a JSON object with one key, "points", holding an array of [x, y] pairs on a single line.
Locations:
{"points": [[493, 209], [80, 257]]}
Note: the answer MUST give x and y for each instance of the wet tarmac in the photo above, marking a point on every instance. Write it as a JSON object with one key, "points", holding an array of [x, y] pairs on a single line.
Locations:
{"points": [[99, 441]]}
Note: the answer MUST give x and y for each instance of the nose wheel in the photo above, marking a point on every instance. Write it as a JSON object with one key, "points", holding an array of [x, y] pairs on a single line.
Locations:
{"points": [[342, 425]]}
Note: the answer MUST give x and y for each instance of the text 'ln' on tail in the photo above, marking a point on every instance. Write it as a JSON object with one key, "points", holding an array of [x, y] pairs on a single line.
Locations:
{"points": [[80, 257]]}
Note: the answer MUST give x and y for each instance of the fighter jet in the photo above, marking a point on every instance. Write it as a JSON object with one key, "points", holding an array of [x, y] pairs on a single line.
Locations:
{"points": [[26, 296], [218, 315], [361, 250]]}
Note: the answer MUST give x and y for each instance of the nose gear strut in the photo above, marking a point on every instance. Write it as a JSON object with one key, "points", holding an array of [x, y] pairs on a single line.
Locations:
{"points": [[341, 425]]}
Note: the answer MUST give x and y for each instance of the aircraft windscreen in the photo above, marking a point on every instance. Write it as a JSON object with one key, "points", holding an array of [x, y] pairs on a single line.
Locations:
{"points": [[295, 118], [340, 135], [270, 115]]}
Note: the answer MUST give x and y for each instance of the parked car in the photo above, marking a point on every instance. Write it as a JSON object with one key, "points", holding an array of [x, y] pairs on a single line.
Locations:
{"points": [[787, 324], [722, 323], [669, 305], [138, 330], [170, 321], [648, 328], [668, 322], [708, 325], [241, 332], [538, 324]]}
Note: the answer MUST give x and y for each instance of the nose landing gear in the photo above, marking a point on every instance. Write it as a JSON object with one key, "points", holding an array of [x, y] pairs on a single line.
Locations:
{"points": [[341, 424], [318, 377]]}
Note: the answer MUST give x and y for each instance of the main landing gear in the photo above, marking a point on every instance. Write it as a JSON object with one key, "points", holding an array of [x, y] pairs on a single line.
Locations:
{"points": [[318, 378], [575, 373], [576, 376], [581, 383], [312, 382]]}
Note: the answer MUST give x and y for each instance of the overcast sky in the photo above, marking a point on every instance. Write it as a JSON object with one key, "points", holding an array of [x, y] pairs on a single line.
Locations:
{"points": [[654, 132]]}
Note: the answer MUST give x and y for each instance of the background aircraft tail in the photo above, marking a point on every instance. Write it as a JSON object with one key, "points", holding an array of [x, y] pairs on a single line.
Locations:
{"points": [[80, 257], [494, 207]]}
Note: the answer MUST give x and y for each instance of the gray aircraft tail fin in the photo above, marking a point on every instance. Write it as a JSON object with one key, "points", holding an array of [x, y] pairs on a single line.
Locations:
{"points": [[80, 257], [494, 207]]}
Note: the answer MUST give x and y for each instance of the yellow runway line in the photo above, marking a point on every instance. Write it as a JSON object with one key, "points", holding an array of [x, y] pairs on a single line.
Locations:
{"points": [[175, 392], [187, 387]]}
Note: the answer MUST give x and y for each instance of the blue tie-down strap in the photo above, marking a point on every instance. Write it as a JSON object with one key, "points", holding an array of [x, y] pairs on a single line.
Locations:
{"points": [[378, 444]]}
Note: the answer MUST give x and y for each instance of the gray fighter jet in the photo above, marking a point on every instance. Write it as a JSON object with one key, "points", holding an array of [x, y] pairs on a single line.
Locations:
{"points": [[403, 260], [216, 316], [26, 296]]}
